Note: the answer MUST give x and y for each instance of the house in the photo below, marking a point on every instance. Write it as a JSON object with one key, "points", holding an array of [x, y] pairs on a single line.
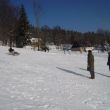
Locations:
{"points": [[35, 42]]}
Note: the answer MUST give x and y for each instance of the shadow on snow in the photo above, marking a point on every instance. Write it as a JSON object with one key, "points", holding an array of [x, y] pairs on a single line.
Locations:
{"points": [[72, 72], [96, 73]]}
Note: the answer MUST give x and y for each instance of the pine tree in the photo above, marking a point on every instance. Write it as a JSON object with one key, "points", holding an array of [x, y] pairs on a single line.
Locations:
{"points": [[22, 29]]}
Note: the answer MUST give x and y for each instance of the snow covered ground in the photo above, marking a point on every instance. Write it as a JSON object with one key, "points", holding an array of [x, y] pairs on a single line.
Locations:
{"points": [[52, 81]]}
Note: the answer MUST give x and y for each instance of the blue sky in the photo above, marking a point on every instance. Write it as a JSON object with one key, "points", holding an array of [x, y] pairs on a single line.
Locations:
{"points": [[79, 15]]}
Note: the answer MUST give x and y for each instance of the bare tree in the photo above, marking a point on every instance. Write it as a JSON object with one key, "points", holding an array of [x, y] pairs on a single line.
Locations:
{"points": [[7, 21], [37, 13]]}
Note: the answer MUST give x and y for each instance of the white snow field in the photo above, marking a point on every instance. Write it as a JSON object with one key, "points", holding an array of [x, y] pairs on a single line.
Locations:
{"points": [[37, 80]]}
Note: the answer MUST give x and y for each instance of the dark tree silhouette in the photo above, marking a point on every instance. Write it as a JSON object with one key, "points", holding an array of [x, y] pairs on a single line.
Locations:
{"points": [[22, 29]]}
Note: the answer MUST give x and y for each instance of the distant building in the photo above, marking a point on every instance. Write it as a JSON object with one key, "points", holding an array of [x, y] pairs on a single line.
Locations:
{"points": [[36, 42]]}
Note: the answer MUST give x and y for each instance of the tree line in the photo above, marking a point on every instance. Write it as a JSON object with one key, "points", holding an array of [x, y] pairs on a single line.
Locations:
{"points": [[58, 36], [14, 25], [15, 30]]}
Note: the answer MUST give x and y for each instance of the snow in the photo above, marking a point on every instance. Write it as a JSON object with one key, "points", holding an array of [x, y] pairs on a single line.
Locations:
{"points": [[37, 80]]}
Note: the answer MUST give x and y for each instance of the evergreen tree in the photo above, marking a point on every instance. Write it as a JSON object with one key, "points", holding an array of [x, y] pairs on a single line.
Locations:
{"points": [[22, 29]]}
